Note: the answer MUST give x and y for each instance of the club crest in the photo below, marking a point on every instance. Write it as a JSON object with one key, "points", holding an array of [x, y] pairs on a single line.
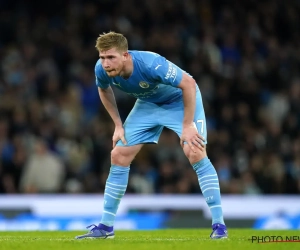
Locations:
{"points": [[144, 85]]}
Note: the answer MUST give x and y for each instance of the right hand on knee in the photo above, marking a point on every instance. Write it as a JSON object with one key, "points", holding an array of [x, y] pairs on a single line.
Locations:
{"points": [[119, 134]]}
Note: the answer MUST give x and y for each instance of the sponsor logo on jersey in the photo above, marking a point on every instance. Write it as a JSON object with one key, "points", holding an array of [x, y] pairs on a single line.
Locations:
{"points": [[172, 72], [145, 94]]}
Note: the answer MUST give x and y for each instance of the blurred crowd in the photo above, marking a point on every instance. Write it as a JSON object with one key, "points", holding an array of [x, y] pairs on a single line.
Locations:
{"points": [[55, 135]]}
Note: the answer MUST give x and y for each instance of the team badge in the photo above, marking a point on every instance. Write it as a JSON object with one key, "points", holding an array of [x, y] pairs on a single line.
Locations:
{"points": [[144, 85]]}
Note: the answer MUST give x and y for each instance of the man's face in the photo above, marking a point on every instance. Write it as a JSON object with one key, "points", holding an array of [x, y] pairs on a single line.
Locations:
{"points": [[113, 61]]}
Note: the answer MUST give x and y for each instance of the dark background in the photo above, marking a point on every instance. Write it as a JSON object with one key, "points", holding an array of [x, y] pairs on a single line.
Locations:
{"points": [[55, 136]]}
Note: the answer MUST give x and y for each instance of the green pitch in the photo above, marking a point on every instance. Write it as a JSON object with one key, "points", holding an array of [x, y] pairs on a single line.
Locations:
{"points": [[155, 240]]}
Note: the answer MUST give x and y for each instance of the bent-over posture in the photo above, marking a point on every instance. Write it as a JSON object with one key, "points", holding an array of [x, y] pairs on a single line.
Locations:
{"points": [[166, 96]]}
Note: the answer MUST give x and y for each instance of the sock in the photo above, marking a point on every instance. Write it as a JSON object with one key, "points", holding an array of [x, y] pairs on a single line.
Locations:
{"points": [[209, 184], [115, 188]]}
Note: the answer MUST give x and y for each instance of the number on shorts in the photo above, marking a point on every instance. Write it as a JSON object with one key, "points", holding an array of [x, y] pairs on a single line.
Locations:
{"points": [[202, 125]]}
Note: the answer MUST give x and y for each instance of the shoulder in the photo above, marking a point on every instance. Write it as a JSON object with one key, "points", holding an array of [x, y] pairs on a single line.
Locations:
{"points": [[98, 68], [145, 58], [99, 71], [102, 79]]}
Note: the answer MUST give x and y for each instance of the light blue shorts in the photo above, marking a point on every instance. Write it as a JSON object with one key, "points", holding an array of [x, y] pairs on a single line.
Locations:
{"points": [[146, 121]]}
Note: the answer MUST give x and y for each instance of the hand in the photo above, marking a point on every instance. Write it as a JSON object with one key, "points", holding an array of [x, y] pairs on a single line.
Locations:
{"points": [[119, 135], [192, 138]]}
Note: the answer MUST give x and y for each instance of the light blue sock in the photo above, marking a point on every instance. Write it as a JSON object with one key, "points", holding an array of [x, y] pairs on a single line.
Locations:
{"points": [[209, 184], [115, 188]]}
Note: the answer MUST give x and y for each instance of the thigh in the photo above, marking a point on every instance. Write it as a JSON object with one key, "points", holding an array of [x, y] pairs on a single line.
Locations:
{"points": [[172, 116], [142, 125]]}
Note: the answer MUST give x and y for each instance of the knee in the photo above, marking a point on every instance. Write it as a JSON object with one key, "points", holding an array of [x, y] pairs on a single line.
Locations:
{"points": [[194, 156], [116, 156], [119, 158]]}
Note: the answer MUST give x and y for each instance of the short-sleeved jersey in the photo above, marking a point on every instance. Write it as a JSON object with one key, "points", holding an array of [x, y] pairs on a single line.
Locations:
{"points": [[154, 78]]}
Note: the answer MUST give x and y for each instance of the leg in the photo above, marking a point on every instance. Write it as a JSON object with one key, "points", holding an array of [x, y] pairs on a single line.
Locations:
{"points": [[208, 181], [117, 181], [136, 133], [209, 184], [172, 117], [147, 130], [115, 188]]}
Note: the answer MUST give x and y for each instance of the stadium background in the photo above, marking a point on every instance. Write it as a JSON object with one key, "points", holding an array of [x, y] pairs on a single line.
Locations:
{"points": [[55, 136]]}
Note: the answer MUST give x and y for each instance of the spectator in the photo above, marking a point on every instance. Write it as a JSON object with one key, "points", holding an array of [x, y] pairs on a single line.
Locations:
{"points": [[243, 54], [44, 172]]}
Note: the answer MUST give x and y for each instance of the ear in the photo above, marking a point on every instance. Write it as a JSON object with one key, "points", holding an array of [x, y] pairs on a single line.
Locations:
{"points": [[125, 56]]}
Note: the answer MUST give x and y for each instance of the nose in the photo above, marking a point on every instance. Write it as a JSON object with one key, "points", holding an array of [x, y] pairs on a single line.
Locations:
{"points": [[105, 64]]}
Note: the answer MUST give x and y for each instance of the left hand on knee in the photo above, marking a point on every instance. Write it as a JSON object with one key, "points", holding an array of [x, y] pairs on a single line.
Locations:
{"points": [[191, 136]]}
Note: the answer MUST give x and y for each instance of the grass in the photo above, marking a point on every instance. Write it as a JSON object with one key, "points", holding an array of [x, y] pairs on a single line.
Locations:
{"points": [[155, 240]]}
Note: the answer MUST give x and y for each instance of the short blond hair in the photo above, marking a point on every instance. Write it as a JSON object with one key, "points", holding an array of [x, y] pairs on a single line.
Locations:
{"points": [[111, 40]]}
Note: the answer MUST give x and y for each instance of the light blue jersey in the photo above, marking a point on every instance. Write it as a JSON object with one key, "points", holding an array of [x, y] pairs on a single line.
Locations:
{"points": [[154, 79], [154, 82]]}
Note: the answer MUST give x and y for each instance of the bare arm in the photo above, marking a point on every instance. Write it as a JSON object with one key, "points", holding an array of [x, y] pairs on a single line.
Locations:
{"points": [[190, 134], [188, 86], [108, 99]]}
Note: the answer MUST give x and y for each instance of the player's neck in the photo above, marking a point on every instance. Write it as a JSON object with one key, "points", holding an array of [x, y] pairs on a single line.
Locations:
{"points": [[127, 68]]}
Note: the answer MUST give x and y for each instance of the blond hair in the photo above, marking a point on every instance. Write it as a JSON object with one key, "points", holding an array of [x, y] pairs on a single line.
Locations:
{"points": [[111, 40]]}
